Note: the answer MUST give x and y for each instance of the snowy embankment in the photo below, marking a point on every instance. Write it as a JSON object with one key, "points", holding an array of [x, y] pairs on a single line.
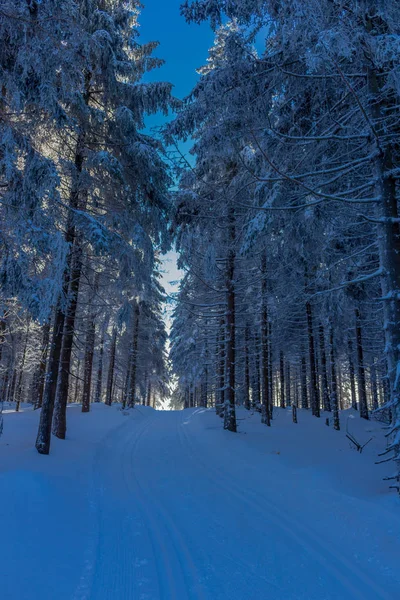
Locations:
{"points": [[166, 505]]}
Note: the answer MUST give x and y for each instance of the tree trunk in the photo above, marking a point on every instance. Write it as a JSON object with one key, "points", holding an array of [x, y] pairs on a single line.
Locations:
{"points": [[282, 400], [362, 389], [389, 236], [46, 415], [270, 373], [221, 370], [352, 376], [314, 391], [374, 387], [288, 391], [334, 398], [324, 373], [60, 406], [77, 382], [3, 325], [87, 374], [110, 377], [69, 279], [148, 399], [246, 370], [256, 392], [134, 356], [304, 387], [265, 403], [230, 412], [99, 382]]}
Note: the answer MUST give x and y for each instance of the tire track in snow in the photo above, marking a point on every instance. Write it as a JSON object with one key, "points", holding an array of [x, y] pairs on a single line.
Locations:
{"points": [[250, 568], [315, 546], [109, 539], [84, 586], [183, 577]]}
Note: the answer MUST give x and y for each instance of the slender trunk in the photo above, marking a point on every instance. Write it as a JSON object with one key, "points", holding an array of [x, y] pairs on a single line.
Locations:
{"points": [[60, 406], [339, 386], [304, 387], [77, 381], [99, 383], [148, 399], [270, 373], [246, 370], [134, 356], [206, 376], [352, 376], [362, 389], [288, 391], [297, 389], [230, 412], [334, 398], [256, 376], [282, 399], [89, 348], [221, 370], [374, 387], [87, 376], [324, 373], [204, 391], [314, 391], [125, 391], [3, 326], [110, 376], [385, 385], [265, 402], [46, 415]]}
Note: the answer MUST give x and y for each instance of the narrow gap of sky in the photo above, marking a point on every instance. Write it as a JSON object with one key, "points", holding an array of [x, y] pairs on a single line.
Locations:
{"points": [[184, 48]]}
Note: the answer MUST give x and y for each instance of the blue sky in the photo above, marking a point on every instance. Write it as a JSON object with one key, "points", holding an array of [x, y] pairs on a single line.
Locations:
{"points": [[184, 48]]}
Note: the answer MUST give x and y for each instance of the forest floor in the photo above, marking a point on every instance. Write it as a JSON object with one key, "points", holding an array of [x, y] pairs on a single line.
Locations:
{"points": [[149, 505]]}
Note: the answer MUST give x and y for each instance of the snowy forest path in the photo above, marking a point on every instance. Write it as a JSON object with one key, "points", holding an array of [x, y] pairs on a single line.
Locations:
{"points": [[180, 515]]}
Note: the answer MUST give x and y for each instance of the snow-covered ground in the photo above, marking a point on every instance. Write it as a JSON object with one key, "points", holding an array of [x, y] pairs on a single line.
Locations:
{"points": [[168, 506]]}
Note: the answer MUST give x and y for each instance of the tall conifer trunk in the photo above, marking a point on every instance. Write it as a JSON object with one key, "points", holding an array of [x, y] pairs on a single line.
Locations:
{"points": [[282, 399], [246, 370], [230, 412], [352, 376], [266, 401], [334, 396], [134, 356], [304, 387], [221, 369], [99, 382], [389, 233], [362, 388], [110, 376], [314, 391], [324, 373]]}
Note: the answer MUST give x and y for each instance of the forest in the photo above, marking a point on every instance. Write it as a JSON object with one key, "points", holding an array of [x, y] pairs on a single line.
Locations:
{"points": [[199, 299], [284, 213]]}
